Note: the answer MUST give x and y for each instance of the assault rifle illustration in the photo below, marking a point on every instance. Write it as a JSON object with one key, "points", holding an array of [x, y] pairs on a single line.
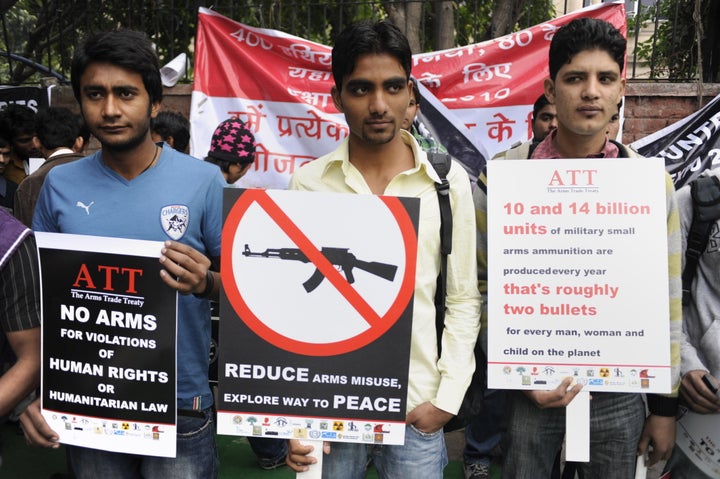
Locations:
{"points": [[341, 257]]}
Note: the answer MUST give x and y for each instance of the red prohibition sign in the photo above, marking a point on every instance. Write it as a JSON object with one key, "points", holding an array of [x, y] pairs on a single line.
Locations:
{"points": [[379, 325]]}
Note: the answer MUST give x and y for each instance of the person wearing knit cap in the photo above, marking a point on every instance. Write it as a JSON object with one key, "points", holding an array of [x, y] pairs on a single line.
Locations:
{"points": [[232, 148]]}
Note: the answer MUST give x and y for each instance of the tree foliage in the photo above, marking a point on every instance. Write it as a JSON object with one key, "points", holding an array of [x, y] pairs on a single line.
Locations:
{"points": [[44, 32], [672, 51], [481, 21]]}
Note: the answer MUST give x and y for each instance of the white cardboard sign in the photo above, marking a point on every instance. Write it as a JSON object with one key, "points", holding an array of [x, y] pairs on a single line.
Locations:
{"points": [[578, 274]]}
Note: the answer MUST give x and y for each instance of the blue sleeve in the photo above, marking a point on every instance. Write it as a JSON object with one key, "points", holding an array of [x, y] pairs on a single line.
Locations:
{"points": [[43, 218], [213, 217]]}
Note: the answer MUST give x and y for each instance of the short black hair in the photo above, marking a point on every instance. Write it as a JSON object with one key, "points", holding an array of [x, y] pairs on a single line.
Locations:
{"points": [[127, 49], [366, 37], [583, 34], [416, 91], [57, 127], [223, 164], [169, 123], [84, 130], [17, 120], [539, 104]]}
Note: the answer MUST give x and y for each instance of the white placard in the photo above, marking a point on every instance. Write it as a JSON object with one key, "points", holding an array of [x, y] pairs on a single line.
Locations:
{"points": [[698, 436], [108, 376], [578, 274]]}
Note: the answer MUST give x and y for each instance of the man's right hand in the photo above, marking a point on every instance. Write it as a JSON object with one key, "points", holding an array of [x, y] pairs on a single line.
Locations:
{"points": [[298, 459], [697, 395], [37, 432], [558, 397]]}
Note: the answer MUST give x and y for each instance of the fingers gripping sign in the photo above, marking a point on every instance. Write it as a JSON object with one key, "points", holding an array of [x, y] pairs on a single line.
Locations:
{"points": [[561, 396], [36, 429], [305, 457], [187, 270]]}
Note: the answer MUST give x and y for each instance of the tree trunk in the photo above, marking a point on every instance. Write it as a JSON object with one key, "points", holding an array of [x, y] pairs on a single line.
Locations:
{"points": [[504, 17], [711, 45], [444, 34], [406, 16]]}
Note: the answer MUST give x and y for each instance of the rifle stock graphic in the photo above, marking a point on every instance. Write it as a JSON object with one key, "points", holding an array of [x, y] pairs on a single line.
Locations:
{"points": [[340, 257]]}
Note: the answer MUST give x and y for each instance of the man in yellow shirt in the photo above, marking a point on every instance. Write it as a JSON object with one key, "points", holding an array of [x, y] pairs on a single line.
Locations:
{"points": [[371, 64]]}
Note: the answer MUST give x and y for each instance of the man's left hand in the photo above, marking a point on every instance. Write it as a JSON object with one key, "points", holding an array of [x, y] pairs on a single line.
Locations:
{"points": [[428, 418], [658, 432]]}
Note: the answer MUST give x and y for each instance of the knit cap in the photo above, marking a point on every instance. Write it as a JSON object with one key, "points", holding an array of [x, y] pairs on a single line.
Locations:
{"points": [[232, 141]]}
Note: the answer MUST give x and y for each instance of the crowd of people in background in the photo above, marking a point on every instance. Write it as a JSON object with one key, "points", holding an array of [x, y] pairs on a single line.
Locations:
{"points": [[143, 149]]}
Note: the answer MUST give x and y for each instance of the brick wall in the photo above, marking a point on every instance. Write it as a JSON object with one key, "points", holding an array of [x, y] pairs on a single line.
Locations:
{"points": [[649, 107]]}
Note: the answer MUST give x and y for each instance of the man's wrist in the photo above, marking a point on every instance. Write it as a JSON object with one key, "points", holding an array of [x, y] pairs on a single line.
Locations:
{"points": [[209, 286]]}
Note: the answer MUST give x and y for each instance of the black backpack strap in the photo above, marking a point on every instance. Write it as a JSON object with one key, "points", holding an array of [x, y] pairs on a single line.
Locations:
{"points": [[532, 147], [441, 163], [622, 149], [705, 193]]}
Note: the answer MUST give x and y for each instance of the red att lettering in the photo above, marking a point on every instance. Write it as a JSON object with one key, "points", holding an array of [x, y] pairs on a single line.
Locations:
{"points": [[131, 272], [111, 272], [572, 177], [84, 277]]}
